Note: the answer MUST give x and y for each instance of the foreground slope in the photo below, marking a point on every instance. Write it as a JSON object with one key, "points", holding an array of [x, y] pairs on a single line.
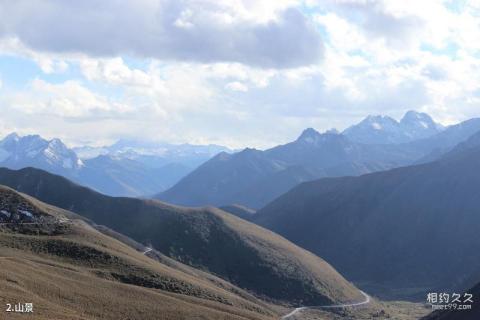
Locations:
{"points": [[206, 238], [413, 228], [68, 270]]}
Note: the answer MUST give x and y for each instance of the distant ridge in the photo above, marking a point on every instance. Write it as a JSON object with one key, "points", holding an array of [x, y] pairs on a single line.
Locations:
{"points": [[128, 168], [253, 178]]}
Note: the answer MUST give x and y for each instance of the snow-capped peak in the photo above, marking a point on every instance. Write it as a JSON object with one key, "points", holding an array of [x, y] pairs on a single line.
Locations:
{"points": [[419, 124], [32, 150], [383, 129], [417, 118]]}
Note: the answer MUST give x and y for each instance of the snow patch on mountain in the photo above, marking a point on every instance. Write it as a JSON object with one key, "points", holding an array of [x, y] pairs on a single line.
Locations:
{"points": [[385, 130], [32, 150]]}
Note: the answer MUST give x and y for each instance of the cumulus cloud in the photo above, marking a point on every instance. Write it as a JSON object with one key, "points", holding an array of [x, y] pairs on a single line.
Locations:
{"points": [[113, 71], [70, 100], [277, 36]]}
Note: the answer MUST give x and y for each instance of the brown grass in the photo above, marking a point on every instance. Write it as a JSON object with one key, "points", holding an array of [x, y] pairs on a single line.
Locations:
{"points": [[83, 274]]}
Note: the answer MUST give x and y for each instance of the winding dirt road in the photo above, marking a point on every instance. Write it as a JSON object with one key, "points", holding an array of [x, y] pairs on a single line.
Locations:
{"points": [[335, 306]]}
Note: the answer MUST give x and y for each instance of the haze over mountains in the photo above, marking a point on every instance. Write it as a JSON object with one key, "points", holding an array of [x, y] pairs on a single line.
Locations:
{"points": [[254, 178], [154, 154], [409, 229], [214, 175], [125, 168]]}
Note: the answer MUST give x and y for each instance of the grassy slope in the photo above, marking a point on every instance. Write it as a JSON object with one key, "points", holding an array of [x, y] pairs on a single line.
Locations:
{"points": [[78, 273], [239, 211], [238, 251]]}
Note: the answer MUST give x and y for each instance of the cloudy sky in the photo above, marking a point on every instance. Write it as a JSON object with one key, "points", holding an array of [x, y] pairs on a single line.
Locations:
{"points": [[232, 72]]}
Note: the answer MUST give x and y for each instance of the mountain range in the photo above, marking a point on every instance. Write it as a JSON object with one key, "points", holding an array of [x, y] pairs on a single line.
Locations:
{"points": [[386, 130], [154, 154], [195, 175], [127, 168], [18, 152], [254, 178], [412, 229]]}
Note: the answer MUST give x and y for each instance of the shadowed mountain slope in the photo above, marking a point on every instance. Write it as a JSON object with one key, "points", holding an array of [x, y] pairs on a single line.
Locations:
{"points": [[253, 177], [409, 228], [206, 238]]}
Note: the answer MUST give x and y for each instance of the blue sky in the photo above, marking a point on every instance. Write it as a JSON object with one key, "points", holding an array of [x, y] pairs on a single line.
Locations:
{"points": [[238, 73]]}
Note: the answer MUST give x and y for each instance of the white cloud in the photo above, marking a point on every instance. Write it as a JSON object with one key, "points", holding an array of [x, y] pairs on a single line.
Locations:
{"points": [[68, 100], [113, 71], [263, 33], [236, 86]]}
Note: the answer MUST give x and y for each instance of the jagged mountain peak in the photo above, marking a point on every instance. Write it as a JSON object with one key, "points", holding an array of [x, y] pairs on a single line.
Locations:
{"points": [[309, 134], [12, 136], [379, 122], [312, 138], [378, 129], [418, 118], [33, 150], [413, 115]]}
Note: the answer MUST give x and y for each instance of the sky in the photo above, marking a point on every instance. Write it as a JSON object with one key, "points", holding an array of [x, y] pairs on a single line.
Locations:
{"points": [[233, 72]]}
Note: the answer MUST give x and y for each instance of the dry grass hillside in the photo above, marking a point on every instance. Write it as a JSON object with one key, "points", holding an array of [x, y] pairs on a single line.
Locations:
{"points": [[69, 270]]}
